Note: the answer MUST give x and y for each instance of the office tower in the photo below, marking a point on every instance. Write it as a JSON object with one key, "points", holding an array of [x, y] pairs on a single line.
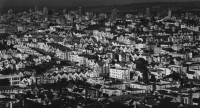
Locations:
{"points": [[169, 13], [10, 11], [30, 10], [64, 12], [45, 11], [187, 15], [36, 8], [114, 14], [147, 12], [80, 14], [102, 15], [158, 14]]}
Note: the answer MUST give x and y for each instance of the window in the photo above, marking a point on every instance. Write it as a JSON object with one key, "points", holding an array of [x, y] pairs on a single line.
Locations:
{"points": [[186, 101], [15, 78], [16, 82]]}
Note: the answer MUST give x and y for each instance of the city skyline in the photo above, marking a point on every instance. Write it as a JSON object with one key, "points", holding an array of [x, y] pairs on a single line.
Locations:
{"points": [[71, 3]]}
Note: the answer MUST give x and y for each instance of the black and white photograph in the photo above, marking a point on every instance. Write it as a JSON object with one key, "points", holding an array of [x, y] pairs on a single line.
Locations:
{"points": [[99, 53]]}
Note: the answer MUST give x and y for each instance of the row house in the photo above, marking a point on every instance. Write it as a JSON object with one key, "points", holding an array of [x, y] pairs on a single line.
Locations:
{"points": [[77, 58], [135, 91], [124, 39], [93, 73], [61, 51], [140, 46], [124, 57], [181, 55], [70, 69], [100, 34], [176, 97], [19, 65], [11, 90], [28, 80], [54, 77], [176, 68], [117, 86], [87, 40], [177, 47], [123, 48], [140, 86], [194, 72], [165, 86], [91, 63], [103, 68], [151, 46], [44, 80], [111, 92]]}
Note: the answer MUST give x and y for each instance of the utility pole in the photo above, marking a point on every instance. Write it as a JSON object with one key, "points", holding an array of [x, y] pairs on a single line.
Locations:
{"points": [[180, 88], [190, 95], [86, 93]]}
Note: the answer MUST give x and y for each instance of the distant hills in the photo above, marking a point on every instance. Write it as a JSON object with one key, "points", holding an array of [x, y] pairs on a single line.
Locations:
{"points": [[154, 6], [183, 6]]}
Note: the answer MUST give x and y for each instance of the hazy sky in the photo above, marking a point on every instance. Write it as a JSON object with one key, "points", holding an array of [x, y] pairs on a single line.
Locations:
{"points": [[11, 3]]}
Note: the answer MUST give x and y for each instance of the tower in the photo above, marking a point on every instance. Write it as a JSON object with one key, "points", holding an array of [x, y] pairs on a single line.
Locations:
{"points": [[187, 15], [80, 13], [147, 12], [45, 11], [64, 12], [169, 13], [36, 9], [158, 14], [30, 10], [10, 11], [114, 14]]}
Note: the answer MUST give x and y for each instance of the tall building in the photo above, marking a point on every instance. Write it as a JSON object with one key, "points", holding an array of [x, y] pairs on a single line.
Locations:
{"points": [[36, 8], [147, 12], [64, 12], [158, 14], [169, 13], [121, 74], [89, 14], [80, 13], [45, 11], [102, 15], [10, 11], [187, 15], [114, 14], [30, 10]]}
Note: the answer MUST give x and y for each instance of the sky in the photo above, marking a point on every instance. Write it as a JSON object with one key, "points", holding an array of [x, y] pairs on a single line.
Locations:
{"points": [[68, 3]]}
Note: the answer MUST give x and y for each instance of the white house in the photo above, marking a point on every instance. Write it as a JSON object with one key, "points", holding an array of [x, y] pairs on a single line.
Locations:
{"points": [[118, 73]]}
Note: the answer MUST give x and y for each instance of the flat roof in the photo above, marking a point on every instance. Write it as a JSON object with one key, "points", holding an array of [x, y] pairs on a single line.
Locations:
{"points": [[8, 76]]}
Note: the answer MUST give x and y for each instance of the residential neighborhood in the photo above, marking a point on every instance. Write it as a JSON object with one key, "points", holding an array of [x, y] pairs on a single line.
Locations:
{"points": [[88, 59]]}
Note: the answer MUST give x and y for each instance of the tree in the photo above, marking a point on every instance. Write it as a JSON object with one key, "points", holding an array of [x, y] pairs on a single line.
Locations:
{"points": [[4, 82], [141, 65], [7, 71], [175, 76], [153, 78]]}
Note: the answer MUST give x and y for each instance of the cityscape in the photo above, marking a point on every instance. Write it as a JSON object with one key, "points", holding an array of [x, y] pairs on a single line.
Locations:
{"points": [[136, 55]]}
